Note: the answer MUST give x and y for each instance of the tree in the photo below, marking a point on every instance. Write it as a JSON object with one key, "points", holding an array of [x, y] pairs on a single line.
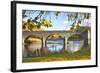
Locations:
{"points": [[40, 19], [72, 29], [31, 25], [77, 18]]}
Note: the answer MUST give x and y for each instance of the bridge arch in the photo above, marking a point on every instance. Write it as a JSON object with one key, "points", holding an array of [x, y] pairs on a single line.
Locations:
{"points": [[45, 34], [32, 45], [55, 42], [75, 42]]}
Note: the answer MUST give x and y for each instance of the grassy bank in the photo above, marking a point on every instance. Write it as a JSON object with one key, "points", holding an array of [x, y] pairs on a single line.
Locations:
{"points": [[83, 54]]}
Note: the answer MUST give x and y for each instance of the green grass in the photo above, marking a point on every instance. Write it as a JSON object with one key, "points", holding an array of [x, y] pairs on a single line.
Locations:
{"points": [[83, 54]]}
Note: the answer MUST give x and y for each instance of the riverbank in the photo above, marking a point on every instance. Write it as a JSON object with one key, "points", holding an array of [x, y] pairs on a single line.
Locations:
{"points": [[83, 54]]}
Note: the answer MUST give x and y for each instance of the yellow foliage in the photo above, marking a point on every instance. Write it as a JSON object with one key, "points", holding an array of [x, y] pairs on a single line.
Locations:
{"points": [[46, 23], [72, 29], [30, 26], [77, 26]]}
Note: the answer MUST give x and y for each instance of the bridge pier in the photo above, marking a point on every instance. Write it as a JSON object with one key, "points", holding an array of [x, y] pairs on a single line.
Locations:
{"points": [[65, 44], [45, 34], [89, 37], [44, 43], [44, 47]]}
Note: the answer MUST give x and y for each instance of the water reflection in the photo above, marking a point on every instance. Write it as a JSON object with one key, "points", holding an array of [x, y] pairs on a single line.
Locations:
{"points": [[31, 45], [74, 46], [55, 45]]}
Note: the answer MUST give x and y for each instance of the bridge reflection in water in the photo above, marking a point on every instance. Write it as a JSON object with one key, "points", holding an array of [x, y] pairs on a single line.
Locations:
{"points": [[44, 35]]}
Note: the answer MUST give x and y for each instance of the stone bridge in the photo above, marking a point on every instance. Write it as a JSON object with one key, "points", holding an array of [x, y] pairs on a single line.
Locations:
{"points": [[45, 34]]}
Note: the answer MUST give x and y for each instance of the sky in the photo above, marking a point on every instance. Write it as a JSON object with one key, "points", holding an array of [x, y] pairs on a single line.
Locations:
{"points": [[60, 23]]}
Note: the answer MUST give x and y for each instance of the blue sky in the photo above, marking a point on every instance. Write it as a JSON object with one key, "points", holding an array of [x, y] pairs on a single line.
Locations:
{"points": [[60, 23]]}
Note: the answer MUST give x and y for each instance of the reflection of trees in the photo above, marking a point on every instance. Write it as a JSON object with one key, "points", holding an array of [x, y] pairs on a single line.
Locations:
{"points": [[41, 20], [33, 45], [54, 47], [55, 40]]}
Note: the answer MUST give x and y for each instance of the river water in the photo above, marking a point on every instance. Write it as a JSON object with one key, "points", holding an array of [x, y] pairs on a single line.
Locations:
{"points": [[55, 45], [58, 45], [74, 46]]}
